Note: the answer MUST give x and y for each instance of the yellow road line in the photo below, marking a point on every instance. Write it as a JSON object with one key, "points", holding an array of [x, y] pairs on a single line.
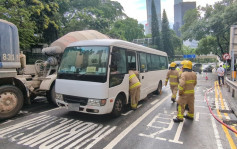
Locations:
{"points": [[228, 136], [233, 127]]}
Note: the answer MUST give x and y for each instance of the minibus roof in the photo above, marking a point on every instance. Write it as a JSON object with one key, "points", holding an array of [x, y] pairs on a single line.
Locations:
{"points": [[117, 43]]}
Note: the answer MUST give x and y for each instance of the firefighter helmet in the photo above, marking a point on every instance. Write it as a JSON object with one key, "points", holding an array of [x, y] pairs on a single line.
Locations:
{"points": [[187, 64], [173, 65], [182, 63]]}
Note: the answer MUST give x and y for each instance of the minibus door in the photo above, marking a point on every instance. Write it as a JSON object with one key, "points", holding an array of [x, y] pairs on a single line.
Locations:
{"points": [[143, 76]]}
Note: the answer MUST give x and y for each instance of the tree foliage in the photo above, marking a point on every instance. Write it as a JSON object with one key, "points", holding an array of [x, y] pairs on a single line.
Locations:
{"points": [[127, 29], [15, 11], [213, 28], [156, 36], [166, 36], [43, 21]]}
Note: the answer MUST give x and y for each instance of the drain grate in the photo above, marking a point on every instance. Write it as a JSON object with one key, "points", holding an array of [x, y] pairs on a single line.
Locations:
{"points": [[226, 111]]}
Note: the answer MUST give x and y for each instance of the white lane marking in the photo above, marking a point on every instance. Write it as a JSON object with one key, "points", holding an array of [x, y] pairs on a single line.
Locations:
{"points": [[178, 133], [216, 103], [6, 122], [201, 106], [226, 105], [100, 137], [139, 106], [133, 125], [154, 102], [50, 110], [46, 132], [160, 129], [197, 117], [217, 136], [128, 112]]}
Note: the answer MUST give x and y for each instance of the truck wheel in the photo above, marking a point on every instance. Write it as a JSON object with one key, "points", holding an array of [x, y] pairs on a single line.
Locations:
{"points": [[51, 95], [118, 106], [159, 89], [11, 101]]}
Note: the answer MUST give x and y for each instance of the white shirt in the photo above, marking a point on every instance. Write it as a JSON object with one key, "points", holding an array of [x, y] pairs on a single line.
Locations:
{"points": [[220, 71]]}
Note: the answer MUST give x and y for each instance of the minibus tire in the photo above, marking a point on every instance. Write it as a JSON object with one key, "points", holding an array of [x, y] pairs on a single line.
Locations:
{"points": [[159, 88], [118, 106]]}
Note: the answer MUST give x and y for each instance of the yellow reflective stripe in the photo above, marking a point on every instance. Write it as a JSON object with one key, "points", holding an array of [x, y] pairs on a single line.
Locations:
{"points": [[190, 81], [174, 83], [173, 76], [130, 77], [173, 96], [190, 115], [134, 85], [134, 105], [180, 115], [180, 88], [189, 92]]}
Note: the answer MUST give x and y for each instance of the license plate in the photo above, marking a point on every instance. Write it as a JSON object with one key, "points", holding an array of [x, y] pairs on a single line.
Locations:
{"points": [[74, 107]]}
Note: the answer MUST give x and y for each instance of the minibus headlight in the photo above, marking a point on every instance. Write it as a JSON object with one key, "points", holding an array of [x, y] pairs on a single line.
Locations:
{"points": [[96, 102], [59, 96]]}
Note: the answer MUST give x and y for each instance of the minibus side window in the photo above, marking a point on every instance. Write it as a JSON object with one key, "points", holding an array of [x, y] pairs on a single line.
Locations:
{"points": [[143, 62], [163, 62], [131, 57], [149, 64], [155, 62]]}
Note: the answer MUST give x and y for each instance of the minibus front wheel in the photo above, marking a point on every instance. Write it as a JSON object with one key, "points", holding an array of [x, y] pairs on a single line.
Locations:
{"points": [[118, 106]]}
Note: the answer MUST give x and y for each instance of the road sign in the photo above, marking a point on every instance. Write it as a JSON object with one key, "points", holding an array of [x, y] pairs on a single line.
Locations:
{"points": [[226, 56], [189, 56]]}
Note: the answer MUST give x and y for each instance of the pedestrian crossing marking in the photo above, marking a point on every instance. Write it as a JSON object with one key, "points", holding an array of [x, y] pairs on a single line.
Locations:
{"points": [[48, 132], [163, 123]]}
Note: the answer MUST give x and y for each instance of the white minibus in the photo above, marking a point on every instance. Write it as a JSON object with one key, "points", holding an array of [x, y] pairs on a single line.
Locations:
{"points": [[93, 75]]}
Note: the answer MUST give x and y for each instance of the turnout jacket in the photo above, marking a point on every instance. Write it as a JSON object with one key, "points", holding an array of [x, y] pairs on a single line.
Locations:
{"points": [[173, 76], [187, 83], [133, 80]]}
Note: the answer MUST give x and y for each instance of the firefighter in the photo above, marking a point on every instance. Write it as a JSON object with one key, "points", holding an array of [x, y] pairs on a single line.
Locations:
{"points": [[173, 77], [134, 88], [187, 82], [181, 70]]}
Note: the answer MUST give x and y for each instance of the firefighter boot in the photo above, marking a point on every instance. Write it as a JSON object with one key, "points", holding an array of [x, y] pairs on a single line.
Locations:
{"points": [[187, 117], [176, 120], [173, 99]]}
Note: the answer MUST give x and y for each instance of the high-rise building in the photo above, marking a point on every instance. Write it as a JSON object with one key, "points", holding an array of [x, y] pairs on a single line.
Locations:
{"points": [[180, 9], [149, 14]]}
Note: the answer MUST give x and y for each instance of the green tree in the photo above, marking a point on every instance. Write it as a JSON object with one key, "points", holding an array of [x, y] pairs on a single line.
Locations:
{"points": [[45, 14], [177, 43], [16, 11], [92, 14], [166, 36], [216, 23], [156, 36], [127, 29]]}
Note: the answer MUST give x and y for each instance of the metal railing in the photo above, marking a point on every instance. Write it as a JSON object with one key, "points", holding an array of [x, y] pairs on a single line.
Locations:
{"points": [[232, 87]]}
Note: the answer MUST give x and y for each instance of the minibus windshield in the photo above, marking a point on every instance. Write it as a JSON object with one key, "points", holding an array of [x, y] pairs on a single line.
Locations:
{"points": [[84, 63]]}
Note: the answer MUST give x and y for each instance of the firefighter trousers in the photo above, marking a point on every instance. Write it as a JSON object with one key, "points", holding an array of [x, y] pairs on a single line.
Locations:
{"points": [[135, 96], [182, 101], [174, 89]]}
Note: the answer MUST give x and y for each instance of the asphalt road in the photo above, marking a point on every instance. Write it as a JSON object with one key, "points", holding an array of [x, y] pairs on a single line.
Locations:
{"points": [[150, 126]]}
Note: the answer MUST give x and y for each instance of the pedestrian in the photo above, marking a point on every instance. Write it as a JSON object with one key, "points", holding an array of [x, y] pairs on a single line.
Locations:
{"points": [[186, 86], [173, 77], [134, 88], [221, 73]]}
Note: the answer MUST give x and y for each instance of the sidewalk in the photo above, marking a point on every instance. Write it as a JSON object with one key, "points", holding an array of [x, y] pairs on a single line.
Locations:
{"points": [[231, 90]]}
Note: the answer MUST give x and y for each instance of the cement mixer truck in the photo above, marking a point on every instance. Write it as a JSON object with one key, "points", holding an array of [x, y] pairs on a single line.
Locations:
{"points": [[21, 83]]}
